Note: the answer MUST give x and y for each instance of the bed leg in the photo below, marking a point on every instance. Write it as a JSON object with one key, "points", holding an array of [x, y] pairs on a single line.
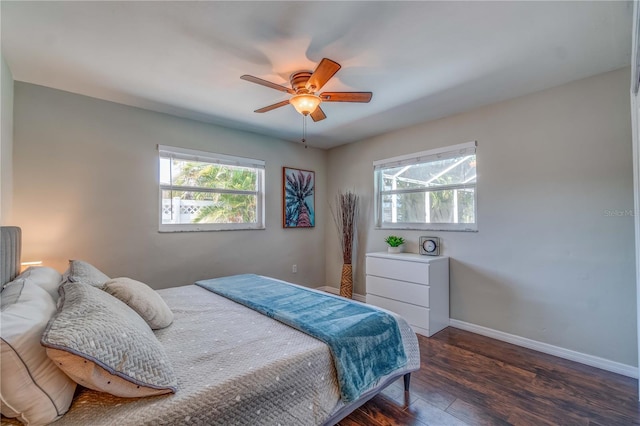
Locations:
{"points": [[407, 380]]}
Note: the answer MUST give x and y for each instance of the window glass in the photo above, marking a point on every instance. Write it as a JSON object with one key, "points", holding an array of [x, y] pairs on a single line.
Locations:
{"points": [[201, 191], [428, 190]]}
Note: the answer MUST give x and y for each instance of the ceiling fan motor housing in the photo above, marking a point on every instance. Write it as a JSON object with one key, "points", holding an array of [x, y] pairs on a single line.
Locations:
{"points": [[299, 80]]}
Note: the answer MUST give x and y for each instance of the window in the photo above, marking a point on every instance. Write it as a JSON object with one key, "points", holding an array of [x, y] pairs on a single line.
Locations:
{"points": [[432, 190], [202, 191]]}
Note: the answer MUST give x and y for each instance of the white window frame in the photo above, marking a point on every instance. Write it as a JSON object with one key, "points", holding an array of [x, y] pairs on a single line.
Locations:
{"points": [[421, 158], [213, 158]]}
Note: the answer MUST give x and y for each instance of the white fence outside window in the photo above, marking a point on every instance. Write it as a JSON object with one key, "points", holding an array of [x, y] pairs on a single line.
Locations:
{"points": [[186, 211]]}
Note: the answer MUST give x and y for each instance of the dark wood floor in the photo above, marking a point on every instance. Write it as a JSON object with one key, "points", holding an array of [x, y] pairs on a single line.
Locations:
{"points": [[468, 379]]}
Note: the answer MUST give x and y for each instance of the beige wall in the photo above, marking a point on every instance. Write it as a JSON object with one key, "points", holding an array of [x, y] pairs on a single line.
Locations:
{"points": [[86, 186], [6, 143], [548, 263]]}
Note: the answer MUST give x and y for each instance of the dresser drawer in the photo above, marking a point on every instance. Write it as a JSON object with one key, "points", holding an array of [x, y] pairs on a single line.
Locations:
{"points": [[415, 272], [415, 315], [416, 294]]}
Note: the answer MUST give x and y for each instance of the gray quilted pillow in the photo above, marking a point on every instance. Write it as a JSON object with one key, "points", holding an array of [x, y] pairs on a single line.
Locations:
{"points": [[81, 271], [104, 345]]}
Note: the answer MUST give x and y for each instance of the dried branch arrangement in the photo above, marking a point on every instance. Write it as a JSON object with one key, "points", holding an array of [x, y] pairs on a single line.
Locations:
{"points": [[344, 214]]}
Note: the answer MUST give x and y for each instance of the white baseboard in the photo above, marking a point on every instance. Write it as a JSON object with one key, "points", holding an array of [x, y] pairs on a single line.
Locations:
{"points": [[333, 290], [594, 361]]}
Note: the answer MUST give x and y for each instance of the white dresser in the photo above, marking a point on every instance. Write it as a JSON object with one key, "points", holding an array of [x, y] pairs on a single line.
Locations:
{"points": [[412, 285]]}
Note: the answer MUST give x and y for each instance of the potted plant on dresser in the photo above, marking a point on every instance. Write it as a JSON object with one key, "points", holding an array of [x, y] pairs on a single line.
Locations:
{"points": [[395, 243]]}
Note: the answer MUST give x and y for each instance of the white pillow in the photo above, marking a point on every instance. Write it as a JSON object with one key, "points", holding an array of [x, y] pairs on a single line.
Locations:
{"points": [[142, 299], [84, 272], [44, 277], [32, 388]]}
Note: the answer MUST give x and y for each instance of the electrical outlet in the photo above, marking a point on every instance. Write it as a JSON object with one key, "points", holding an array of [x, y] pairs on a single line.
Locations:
{"points": [[294, 269]]}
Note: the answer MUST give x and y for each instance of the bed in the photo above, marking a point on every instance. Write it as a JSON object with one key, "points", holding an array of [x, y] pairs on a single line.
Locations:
{"points": [[232, 364]]}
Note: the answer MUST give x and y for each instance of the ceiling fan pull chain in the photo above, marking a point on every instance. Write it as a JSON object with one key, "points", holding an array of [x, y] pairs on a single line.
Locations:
{"points": [[304, 130]]}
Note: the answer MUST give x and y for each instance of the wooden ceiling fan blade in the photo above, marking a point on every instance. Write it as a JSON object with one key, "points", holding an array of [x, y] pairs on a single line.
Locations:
{"points": [[318, 114], [266, 83], [274, 106], [325, 70], [346, 96]]}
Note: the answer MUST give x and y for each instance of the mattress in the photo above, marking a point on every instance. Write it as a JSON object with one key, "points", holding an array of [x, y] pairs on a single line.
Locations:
{"points": [[234, 366]]}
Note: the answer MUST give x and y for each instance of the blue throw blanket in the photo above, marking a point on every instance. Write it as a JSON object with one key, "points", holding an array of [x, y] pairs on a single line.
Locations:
{"points": [[365, 342]]}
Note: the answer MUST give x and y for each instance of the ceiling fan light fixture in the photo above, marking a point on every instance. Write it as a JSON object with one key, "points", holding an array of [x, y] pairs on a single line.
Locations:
{"points": [[305, 103], [305, 88]]}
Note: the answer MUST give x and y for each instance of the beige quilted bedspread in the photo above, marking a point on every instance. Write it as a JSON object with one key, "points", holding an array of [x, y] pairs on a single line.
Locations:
{"points": [[234, 367]]}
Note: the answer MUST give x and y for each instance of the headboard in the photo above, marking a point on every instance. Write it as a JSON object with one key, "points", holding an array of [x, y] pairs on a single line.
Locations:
{"points": [[10, 247]]}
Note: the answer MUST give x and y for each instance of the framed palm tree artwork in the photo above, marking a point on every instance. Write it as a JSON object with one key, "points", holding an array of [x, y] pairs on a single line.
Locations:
{"points": [[298, 198]]}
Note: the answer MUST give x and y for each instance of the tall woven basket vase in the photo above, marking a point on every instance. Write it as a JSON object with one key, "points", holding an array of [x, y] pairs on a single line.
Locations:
{"points": [[346, 281]]}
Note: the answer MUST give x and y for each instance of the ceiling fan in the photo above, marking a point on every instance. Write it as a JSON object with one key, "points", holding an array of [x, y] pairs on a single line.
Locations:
{"points": [[304, 88]]}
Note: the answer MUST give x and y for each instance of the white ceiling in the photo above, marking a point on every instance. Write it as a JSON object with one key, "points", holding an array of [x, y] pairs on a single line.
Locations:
{"points": [[421, 60]]}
